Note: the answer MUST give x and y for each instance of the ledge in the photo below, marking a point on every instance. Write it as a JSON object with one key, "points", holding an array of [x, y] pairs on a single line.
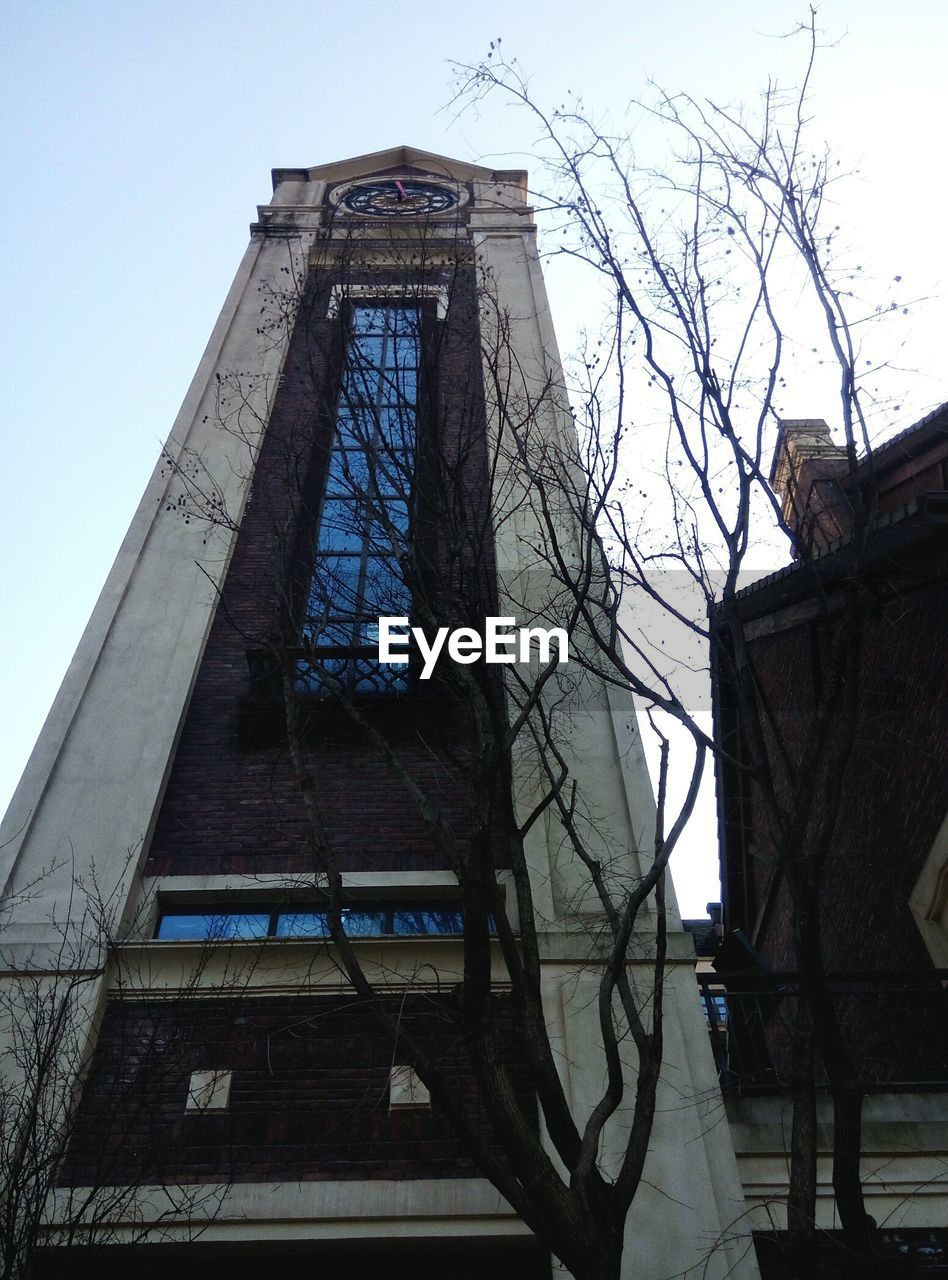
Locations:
{"points": [[376, 1210]]}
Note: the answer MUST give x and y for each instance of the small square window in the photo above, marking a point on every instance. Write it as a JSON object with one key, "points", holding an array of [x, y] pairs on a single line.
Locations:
{"points": [[405, 1089], [208, 1091]]}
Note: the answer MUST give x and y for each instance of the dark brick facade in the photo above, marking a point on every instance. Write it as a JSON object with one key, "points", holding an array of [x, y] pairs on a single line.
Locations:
{"points": [[232, 803], [896, 792], [309, 1097], [894, 795]]}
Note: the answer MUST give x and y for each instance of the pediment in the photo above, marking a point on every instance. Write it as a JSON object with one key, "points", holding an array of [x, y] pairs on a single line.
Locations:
{"points": [[406, 160]]}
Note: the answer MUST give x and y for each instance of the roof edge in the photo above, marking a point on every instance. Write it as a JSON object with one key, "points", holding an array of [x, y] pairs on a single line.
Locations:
{"points": [[375, 161]]}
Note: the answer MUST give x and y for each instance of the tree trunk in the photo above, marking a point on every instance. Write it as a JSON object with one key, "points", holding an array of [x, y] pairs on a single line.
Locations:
{"points": [[801, 1201], [858, 1227]]}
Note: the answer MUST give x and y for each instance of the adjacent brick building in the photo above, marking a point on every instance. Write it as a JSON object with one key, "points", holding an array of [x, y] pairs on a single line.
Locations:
{"points": [[895, 798], [883, 903]]}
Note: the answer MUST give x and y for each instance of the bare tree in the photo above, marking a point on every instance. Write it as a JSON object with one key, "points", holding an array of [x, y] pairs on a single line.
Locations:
{"points": [[714, 274], [84, 1158], [701, 271]]}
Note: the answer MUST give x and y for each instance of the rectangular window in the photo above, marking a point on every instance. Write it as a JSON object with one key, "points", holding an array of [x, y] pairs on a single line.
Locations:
{"points": [[401, 920], [365, 513], [222, 926]]}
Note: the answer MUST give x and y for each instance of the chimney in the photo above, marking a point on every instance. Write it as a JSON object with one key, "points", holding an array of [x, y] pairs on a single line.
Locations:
{"points": [[806, 474]]}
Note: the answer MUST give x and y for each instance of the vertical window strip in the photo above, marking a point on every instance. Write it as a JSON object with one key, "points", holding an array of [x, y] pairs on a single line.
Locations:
{"points": [[364, 515]]}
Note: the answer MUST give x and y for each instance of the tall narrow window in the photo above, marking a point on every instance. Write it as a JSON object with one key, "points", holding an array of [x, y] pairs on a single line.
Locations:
{"points": [[365, 514]]}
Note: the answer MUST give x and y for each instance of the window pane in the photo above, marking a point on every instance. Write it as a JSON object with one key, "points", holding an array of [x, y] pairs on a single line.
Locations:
{"points": [[385, 594], [335, 588], [369, 319], [351, 427], [397, 429], [428, 921], [391, 472], [334, 631], [184, 928], [220, 927], [302, 924], [366, 352], [400, 386], [348, 472], [342, 525], [361, 386], [389, 528], [364, 924], [401, 353]]}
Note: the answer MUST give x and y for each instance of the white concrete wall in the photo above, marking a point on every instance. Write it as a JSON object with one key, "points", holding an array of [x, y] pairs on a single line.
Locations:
{"points": [[92, 786], [688, 1212], [904, 1163]]}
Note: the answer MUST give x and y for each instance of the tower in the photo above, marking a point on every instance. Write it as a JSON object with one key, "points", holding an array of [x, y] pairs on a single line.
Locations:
{"points": [[325, 909]]}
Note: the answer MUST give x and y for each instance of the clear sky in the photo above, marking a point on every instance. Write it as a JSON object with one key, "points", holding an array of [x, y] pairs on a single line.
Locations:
{"points": [[138, 138]]}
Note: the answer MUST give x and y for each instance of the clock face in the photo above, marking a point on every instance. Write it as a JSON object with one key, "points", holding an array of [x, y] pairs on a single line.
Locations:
{"points": [[398, 198]]}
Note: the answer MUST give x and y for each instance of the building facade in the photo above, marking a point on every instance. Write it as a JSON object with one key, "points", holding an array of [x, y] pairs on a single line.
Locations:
{"points": [[263, 878], [882, 890]]}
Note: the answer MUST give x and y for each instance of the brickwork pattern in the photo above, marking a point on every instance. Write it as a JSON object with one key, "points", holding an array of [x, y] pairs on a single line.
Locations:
{"points": [[895, 797], [896, 790], [231, 807], [309, 1093]]}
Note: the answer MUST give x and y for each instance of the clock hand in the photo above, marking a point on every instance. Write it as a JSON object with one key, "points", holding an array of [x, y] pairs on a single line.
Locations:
{"points": [[401, 191]]}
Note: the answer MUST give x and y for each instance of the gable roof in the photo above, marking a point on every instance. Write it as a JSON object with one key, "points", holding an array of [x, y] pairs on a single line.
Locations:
{"points": [[398, 159]]}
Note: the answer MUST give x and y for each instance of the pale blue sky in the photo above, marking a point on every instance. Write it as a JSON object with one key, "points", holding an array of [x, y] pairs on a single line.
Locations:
{"points": [[138, 139]]}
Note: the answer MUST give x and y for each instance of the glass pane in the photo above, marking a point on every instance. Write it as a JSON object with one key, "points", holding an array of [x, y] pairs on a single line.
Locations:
{"points": [[405, 321], [221, 927], [441, 920], [360, 386], [385, 594], [369, 319], [369, 635], [354, 427], [302, 924], [364, 924], [391, 472], [337, 631], [397, 428], [342, 525], [400, 386], [401, 353], [335, 588], [366, 352], [394, 516], [348, 472], [183, 928]]}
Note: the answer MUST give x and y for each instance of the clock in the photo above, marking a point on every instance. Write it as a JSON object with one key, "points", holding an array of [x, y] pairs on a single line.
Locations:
{"points": [[396, 197]]}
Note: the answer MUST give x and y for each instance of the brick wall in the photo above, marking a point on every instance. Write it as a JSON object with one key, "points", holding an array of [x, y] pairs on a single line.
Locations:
{"points": [[309, 1093], [894, 799], [232, 804], [896, 790]]}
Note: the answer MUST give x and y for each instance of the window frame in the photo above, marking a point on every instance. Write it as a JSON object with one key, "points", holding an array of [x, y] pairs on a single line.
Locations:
{"points": [[361, 659], [388, 910]]}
